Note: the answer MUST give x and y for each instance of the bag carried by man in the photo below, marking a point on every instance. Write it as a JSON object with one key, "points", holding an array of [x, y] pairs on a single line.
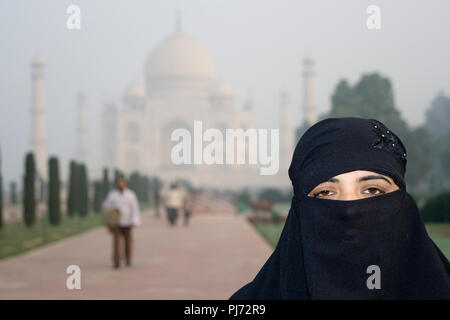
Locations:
{"points": [[111, 217]]}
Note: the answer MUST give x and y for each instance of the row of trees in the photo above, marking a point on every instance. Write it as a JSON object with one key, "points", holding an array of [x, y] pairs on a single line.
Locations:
{"points": [[78, 187], [29, 191], [437, 208]]}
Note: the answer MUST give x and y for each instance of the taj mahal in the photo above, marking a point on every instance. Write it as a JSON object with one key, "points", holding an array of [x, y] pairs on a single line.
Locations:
{"points": [[180, 87]]}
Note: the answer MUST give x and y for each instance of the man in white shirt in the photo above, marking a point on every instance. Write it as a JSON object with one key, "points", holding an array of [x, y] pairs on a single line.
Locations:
{"points": [[125, 202]]}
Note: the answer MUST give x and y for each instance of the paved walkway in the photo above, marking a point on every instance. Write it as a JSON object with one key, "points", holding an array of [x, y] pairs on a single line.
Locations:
{"points": [[210, 259]]}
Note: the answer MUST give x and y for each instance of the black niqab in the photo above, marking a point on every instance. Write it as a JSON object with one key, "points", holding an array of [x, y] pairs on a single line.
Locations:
{"points": [[328, 247]]}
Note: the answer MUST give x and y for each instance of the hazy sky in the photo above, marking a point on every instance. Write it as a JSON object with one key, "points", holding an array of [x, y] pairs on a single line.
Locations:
{"points": [[257, 47]]}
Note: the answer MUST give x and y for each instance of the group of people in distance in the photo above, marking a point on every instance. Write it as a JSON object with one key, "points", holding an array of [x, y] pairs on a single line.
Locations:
{"points": [[178, 201]]}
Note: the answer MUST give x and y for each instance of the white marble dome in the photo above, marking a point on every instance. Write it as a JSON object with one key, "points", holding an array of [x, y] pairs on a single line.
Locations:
{"points": [[179, 56]]}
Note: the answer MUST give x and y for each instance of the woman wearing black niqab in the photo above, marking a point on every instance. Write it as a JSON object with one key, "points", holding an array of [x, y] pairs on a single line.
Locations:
{"points": [[370, 248]]}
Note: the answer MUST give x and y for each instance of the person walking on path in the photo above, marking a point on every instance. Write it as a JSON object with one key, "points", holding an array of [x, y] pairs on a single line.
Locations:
{"points": [[188, 206], [174, 203], [125, 202]]}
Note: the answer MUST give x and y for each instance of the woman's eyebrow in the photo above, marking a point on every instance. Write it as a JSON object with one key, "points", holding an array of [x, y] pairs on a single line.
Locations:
{"points": [[373, 177]]}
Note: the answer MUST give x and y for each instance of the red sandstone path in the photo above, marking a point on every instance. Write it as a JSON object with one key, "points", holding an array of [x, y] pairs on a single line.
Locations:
{"points": [[210, 259]]}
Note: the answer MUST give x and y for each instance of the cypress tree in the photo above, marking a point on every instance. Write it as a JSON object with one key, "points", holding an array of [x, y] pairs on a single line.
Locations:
{"points": [[142, 188], [54, 203], [157, 184], [29, 198], [13, 192], [98, 196], [72, 192], [117, 175], [130, 182], [134, 184], [145, 189], [105, 184], [83, 204]]}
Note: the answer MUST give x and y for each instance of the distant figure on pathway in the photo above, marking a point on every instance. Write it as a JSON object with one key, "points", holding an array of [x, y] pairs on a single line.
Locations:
{"points": [[125, 201], [187, 207], [174, 203]]}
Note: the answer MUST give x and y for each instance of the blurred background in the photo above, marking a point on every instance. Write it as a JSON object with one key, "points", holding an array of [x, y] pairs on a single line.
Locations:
{"points": [[79, 106]]}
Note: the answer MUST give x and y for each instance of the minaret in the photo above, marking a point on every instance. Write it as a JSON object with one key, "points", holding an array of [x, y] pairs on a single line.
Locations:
{"points": [[38, 118], [286, 133], [82, 137], [309, 94]]}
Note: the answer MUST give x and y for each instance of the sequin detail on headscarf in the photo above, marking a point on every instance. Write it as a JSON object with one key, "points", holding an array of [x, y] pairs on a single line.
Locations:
{"points": [[387, 140]]}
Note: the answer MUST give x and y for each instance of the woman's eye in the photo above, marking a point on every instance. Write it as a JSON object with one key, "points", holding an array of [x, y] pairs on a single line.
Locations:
{"points": [[373, 191], [322, 193]]}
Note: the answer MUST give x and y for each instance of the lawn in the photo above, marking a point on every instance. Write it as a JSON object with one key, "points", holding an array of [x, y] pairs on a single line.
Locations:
{"points": [[16, 238], [440, 233]]}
